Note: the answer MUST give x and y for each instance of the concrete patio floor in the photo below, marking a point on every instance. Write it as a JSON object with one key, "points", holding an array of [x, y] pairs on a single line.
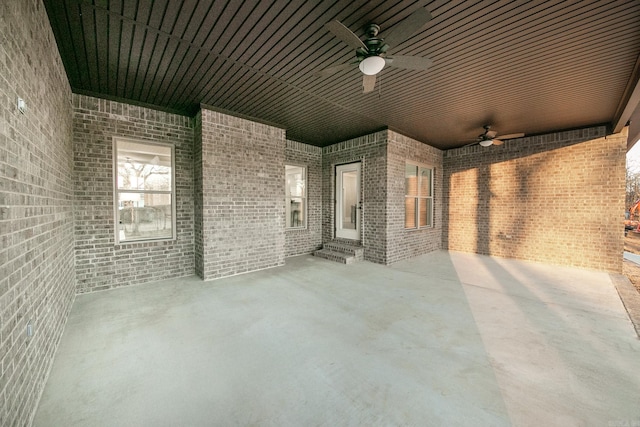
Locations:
{"points": [[443, 339]]}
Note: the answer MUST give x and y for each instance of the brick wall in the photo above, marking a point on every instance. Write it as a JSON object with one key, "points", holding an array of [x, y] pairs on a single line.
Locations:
{"points": [[241, 185], [307, 240], [403, 243], [371, 151], [100, 262], [556, 198], [36, 206]]}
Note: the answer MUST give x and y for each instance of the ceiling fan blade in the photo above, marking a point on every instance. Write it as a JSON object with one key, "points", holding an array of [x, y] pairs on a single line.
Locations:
{"points": [[409, 62], [512, 136], [498, 142], [345, 34], [490, 134], [407, 27], [368, 83], [334, 69]]}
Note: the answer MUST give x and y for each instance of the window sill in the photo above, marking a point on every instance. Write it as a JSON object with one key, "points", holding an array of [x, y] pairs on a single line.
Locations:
{"points": [[146, 241]]}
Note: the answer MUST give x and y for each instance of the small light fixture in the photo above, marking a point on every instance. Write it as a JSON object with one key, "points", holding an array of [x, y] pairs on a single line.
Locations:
{"points": [[22, 106], [372, 65], [486, 142]]}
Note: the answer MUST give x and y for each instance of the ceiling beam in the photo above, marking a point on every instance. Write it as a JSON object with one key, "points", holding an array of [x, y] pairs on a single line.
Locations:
{"points": [[629, 101]]}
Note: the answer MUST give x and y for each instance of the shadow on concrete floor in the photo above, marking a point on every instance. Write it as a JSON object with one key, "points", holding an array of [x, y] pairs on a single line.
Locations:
{"points": [[443, 339]]}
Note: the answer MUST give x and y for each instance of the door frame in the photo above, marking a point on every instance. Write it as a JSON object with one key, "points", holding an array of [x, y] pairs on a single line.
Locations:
{"points": [[340, 232]]}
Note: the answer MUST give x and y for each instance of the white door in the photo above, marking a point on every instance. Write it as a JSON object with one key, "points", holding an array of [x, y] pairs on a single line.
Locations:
{"points": [[348, 201]]}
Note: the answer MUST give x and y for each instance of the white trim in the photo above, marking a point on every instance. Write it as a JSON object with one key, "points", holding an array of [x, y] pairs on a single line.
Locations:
{"points": [[288, 197], [418, 197], [340, 232], [116, 191]]}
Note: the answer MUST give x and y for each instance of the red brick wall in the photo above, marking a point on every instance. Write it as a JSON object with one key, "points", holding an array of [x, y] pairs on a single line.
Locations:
{"points": [[556, 198]]}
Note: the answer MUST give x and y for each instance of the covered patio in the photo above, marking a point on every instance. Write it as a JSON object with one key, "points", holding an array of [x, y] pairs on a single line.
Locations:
{"points": [[446, 338]]}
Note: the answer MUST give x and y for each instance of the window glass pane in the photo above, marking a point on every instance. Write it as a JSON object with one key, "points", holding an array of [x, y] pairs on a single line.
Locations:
{"points": [[295, 181], [410, 212], [426, 212], [144, 216], [296, 218], [296, 196], [425, 182], [143, 194], [411, 180], [143, 166]]}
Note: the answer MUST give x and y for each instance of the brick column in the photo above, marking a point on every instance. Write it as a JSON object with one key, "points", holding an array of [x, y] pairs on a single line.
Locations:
{"points": [[240, 195]]}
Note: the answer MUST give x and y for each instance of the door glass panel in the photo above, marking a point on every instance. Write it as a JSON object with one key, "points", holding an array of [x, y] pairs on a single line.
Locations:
{"points": [[348, 213], [349, 200]]}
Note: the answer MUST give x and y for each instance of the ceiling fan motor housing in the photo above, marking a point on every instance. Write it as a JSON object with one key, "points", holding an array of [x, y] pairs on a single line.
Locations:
{"points": [[375, 45], [372, 30]]}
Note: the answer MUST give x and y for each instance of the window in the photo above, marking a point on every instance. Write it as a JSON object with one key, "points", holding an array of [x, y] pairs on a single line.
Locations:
{"points": [[144, 191], [296, 204], [418, 201]]}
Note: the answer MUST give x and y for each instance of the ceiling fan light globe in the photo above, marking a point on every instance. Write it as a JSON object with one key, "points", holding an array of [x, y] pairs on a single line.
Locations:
{"points": [[486, 142], [371, 65]]}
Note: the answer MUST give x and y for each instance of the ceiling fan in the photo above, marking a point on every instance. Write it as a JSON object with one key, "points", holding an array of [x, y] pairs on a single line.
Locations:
{"points": [[371, 54], [490, 137]]}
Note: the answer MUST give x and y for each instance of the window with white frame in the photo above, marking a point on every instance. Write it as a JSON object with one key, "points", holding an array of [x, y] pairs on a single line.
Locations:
{"points": [[296, 193], [144, 191], [418, 201]]}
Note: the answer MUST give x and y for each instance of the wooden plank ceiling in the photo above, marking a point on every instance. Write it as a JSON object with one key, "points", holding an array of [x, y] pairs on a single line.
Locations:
{"points": [[521, 66]]}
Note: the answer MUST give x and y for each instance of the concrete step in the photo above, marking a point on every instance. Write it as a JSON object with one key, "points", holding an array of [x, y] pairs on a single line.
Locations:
{"points": [[356, 250], [341, 257]]}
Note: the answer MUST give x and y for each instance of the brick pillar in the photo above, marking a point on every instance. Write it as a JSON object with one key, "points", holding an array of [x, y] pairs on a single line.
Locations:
{"points": [[240, 195]]}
